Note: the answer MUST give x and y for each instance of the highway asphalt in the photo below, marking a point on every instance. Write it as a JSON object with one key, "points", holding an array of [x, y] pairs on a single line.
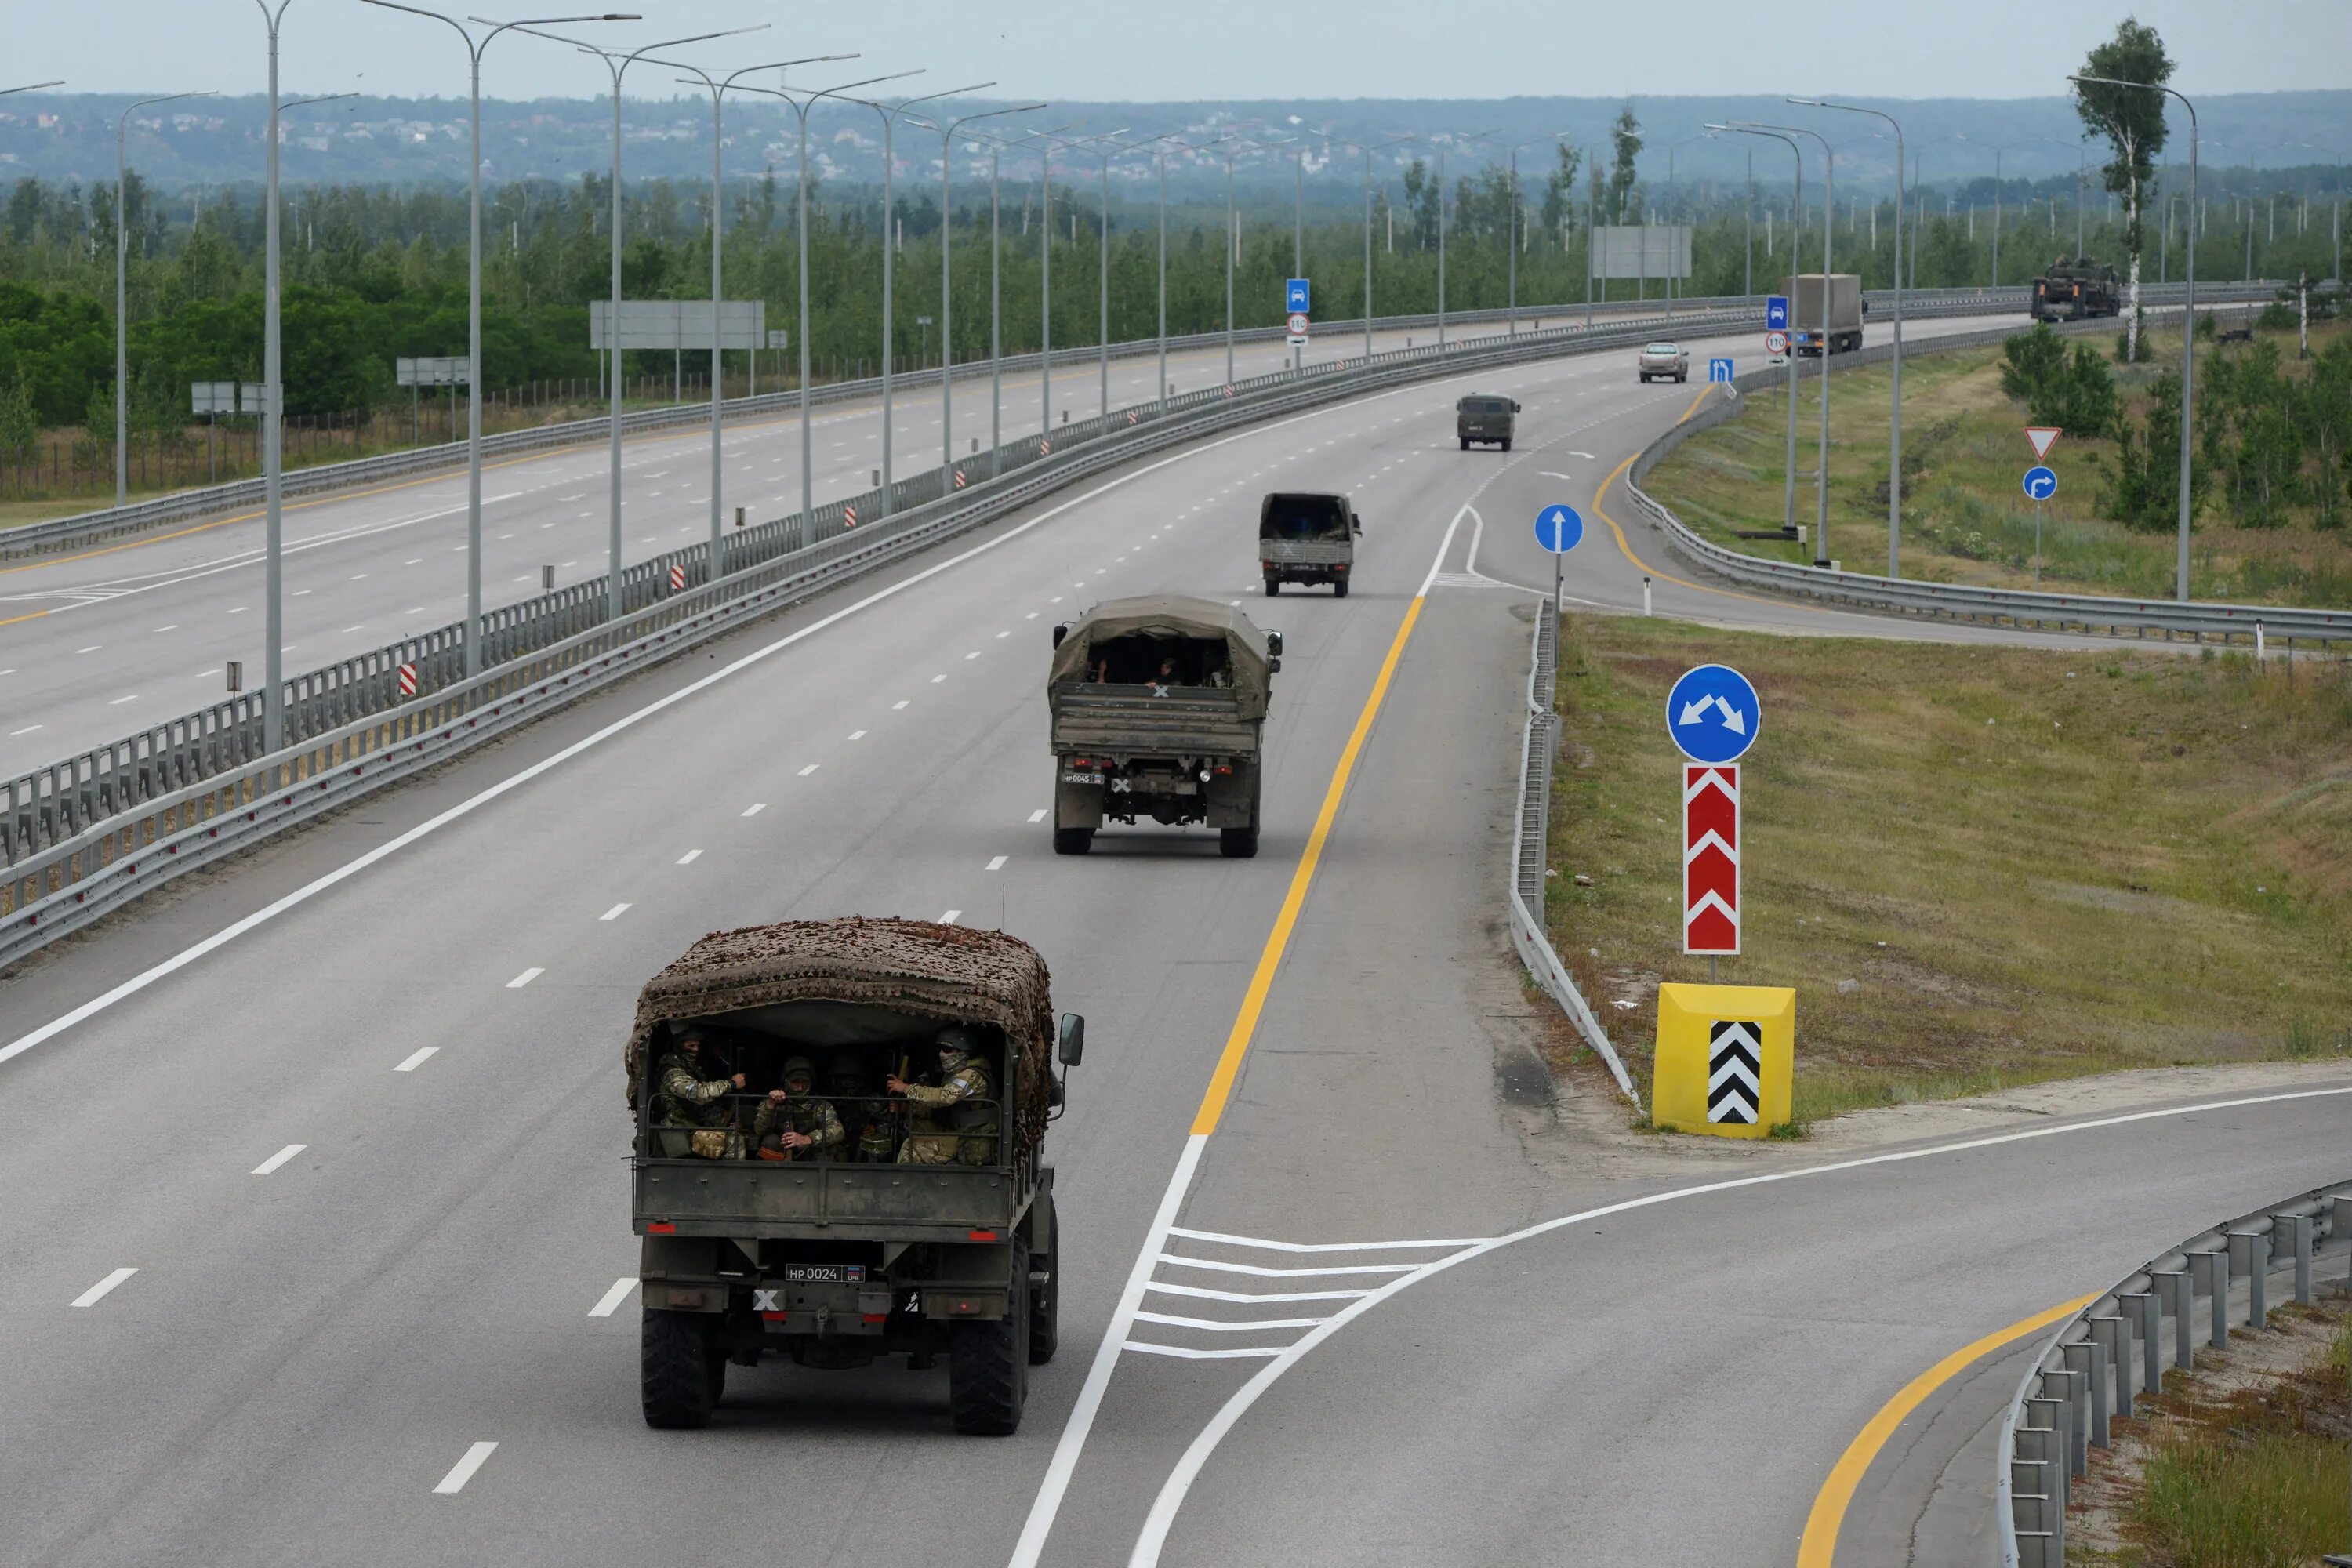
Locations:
{"points": [[304, 1363], [98, 643]]}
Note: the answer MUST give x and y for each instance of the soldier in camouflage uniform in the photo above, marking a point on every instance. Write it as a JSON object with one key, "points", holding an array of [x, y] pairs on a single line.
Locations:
{"points": [[872, 1135], [684, 1097], [951, 1123], [789, 1125]]}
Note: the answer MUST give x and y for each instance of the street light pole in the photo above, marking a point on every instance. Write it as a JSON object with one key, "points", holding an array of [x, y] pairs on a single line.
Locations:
{"points": [[618, 65], [273, 691], [890, 113], [1895, 448], [1367, 149], [1829, 228], [947, 278], [1789, 497], [122, 317], [717, 89], [801, 102], [2187, 328]]}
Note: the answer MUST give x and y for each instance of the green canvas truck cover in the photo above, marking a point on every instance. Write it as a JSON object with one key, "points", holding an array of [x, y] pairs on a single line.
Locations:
{"points": [[1171, 616]]}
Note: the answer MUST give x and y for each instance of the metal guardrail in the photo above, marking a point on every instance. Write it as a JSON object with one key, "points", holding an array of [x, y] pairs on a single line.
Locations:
{"points": [[209, 501], [1530, 852], [2090, 1371], [2023, 608], [82, 838]]}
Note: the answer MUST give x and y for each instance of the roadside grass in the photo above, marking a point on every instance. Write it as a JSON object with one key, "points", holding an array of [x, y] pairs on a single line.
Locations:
{"points": [[1965, 517], [2254, 1481], [1978, 866]]}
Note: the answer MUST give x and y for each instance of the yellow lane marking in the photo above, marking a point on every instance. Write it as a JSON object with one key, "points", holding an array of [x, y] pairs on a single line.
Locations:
{"points": [[36, 615], [1818, 1547], [1237, 1043]]}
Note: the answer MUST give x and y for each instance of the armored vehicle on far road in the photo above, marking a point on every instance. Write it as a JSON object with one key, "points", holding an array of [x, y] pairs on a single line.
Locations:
{"points": [[1483, 417], [900, 1202], [1307, 538], [1159, 708], [2076, 289]]}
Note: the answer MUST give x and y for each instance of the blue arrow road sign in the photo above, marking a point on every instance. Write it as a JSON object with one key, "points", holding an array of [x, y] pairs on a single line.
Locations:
{"points": [[2041, 483], [1294, 295], [1776, 312], [1712, 714], [1557, 527], [1718, 370]]}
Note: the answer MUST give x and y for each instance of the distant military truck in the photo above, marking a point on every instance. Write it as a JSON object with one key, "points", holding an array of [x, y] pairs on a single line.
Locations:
{"points": [[859, 1222], [1159, 708], [1307, 537], [2076, 288], [1485, 418], [1830, 317]]}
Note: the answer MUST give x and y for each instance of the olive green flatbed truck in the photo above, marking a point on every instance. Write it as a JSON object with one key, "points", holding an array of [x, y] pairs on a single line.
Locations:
{"points": [[919, 1230]]}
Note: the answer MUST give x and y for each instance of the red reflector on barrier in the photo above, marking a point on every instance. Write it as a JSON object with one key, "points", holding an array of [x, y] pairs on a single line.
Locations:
{"points": [[983, 1236], [660, 1227]]}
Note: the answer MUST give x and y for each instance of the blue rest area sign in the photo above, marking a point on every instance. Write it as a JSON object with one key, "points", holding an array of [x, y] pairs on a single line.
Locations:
{"points": [[2041, 483], [1776, 312], [1718, 370], [1294, 295], [1712, 714], [1557, 529]]}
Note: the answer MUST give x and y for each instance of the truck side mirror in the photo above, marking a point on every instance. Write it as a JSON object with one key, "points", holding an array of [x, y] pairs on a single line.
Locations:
{"points": [[1061, 631], [1356, 519], [1273, 644], [1073, 1039], [1514, 406]]}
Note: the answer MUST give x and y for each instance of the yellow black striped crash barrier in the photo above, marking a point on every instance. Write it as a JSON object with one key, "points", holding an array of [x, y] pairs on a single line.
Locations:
{"points": [[1725, 1056]]}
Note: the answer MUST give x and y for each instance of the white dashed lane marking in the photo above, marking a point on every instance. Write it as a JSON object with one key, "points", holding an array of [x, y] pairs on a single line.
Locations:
{"points": [[610, 1301], [690, 857], [288, 1152], [463, 1470], [997, 863], [525, 978], [91, 1296], [615, 913], [418, 1060], [1039, 814]]}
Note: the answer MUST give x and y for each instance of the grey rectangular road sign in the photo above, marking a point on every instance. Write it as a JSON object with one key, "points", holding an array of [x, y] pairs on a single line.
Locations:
{"points": [[446, 370], [680, 324], [1642, 250], [212, 397]]}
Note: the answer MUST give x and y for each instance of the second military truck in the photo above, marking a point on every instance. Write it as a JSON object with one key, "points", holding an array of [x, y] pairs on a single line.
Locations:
{"points": [[1157, 711], [1307, 537], [2076, 289]]}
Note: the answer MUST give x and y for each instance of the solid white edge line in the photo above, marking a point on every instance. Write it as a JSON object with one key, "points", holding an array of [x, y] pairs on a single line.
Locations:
{"points": [[1324, 1245], [1162, 1517], [610, 1301], [270, 1165], [1056, 1482], [463, 1470], [91, 1296], [417, 1058]]}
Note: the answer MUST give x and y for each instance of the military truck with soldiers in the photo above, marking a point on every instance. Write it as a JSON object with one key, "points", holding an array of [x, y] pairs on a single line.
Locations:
{"points": [[1307, 538], [906, 1210], [2076, 289], [1158, 707]]}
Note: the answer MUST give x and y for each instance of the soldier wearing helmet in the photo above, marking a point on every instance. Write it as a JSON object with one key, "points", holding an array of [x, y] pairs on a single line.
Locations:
{"points": [[953, 1122], [685, 1097], [791, 1125]]}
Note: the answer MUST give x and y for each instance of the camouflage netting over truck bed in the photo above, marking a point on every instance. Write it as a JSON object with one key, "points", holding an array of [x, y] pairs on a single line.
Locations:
{"points": [[953, 974]]}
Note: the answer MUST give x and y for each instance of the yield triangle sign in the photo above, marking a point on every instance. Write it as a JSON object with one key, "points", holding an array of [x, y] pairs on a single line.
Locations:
{"points": [[2042, 435]]}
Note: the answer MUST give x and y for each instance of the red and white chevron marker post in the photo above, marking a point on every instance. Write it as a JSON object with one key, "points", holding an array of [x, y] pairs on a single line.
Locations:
{"points": [[408, 680], [1711, 858], [676, 577]]}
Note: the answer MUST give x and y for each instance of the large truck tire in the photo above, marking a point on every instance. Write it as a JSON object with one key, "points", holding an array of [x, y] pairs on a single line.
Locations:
{"points": [[1073, 840], [1238, 843], [1272, 584], [1338, 587], [680, 1373], [987, 1364], [1045, 1298]]}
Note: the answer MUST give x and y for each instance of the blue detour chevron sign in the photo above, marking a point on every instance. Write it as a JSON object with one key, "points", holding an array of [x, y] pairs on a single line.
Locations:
{"points": [[1735, 1070]]}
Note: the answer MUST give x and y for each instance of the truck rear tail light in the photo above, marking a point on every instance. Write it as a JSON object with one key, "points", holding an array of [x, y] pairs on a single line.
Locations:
{"points": [[1339, 571], [685, 1298], [660, 1227], [983, 1236], [875, 1316], [1225, 767], [772, 1317], [963, 1309], [1082, 762]]}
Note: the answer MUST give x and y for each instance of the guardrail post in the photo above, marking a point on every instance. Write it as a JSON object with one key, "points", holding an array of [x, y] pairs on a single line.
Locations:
{"points": [[2048, 1441], [2299, 1229], [2071, 1386], [2339, 1226], [2089, 1359], [2215, 1268], [2182, 1289], [2142, 1305], [2250, 1253], [2113, 1335]]}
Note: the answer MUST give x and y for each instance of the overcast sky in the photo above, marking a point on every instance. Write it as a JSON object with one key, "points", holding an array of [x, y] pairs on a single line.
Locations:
{"points": [[1225, 48]]}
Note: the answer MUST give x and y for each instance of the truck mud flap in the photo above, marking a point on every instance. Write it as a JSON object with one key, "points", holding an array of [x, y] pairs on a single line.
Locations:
{"points": [[1078, 805], [1232, 797]]}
